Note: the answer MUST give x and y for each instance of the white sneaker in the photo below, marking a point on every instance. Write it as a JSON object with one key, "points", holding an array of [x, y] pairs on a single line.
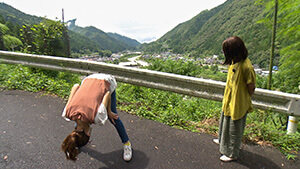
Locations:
{"points": [[127, 155], [227, 159], [216, 141]]}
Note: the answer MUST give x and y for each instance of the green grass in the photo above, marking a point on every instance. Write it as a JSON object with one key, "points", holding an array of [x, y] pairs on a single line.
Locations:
{"points": [[167, 107], [34, 80]]}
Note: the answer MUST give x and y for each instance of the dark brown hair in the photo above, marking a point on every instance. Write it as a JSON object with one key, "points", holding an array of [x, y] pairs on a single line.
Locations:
{"points": [[71, 143], [234, 50]]}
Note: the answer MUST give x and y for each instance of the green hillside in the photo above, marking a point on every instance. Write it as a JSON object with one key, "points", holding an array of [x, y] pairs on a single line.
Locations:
{"points": [[203, 34], [124, 39], [104, 40], [82, 44], [17, 17]]}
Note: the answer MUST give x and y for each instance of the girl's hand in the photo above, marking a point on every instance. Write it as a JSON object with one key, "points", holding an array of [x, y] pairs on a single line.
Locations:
{"points": [[251, 88], [113, 117]]}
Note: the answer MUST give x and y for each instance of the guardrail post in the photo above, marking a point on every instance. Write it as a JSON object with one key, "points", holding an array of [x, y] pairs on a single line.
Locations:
{"points": [[293, 109], [292, 125]]}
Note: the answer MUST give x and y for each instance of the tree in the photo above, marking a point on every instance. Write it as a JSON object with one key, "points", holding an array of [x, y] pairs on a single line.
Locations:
{"points": [[46, 38], [8, 42], [289, 36], [3, 30], [289, 41], [273, 44], [11, 42]]}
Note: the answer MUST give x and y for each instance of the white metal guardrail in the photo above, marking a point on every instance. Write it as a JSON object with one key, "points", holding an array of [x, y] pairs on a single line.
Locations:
{"points": [[203, 88]]}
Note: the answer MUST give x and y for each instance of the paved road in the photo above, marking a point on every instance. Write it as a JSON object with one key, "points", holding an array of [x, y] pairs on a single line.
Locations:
{"points": [[32, 131]]}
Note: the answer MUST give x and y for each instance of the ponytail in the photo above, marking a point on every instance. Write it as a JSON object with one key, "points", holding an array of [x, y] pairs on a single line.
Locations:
{"points": [[69, 146], [72, 142]]}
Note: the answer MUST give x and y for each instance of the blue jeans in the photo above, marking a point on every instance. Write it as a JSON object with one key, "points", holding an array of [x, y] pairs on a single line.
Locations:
{"points": [[119, 125]]}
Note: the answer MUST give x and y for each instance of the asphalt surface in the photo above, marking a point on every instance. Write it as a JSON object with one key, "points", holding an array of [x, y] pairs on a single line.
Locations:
{"points": [[32, 130]]}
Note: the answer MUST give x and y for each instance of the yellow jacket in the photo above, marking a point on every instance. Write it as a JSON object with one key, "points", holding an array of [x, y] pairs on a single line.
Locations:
{"points": [[237, 100]]}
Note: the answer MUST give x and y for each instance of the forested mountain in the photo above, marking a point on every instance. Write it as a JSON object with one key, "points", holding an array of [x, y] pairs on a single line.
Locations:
{"points": [[203, 34], [106, 41], [124, 39], [81, 39], [17, 17], [82, 44]]}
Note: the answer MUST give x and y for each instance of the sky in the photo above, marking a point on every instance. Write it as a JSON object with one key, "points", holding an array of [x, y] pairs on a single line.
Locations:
{"points": [[143, 20]]}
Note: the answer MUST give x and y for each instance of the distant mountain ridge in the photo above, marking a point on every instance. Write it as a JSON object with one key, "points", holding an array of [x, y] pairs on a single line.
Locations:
{"points": [[124, 39], [93, 38], [107, 41]]}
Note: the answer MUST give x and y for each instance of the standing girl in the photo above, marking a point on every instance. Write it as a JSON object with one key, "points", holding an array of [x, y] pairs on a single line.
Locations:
{"points": [[237, 103], [92, 102]]}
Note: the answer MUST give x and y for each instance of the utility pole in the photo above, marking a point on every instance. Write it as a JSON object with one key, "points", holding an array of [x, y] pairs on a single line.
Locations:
{"points": [[66, 36], [63, 16], [273, 45]]}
